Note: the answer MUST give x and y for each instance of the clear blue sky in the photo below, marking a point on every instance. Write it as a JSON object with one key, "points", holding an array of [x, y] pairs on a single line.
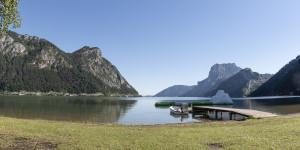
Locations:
{"points": [[159, 43]]}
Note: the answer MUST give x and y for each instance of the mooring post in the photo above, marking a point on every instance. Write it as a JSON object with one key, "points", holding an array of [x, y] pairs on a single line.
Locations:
{"points": [[222, 115], [193, 112]]}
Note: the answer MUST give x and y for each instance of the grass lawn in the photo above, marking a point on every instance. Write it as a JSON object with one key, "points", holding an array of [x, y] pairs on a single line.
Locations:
{"points": [[268, 133]]}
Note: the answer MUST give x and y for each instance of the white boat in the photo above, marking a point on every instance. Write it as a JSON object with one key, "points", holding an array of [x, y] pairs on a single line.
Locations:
{"points": [[179, 110]]}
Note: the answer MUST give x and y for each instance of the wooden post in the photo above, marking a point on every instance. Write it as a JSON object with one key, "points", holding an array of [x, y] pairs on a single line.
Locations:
{"points": [[234, 116], [222, 115], [193, 112], [216, 115], [230, 115]]}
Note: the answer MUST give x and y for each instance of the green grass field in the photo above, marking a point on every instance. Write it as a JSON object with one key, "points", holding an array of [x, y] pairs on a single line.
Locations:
{"points": [[268, 133]]}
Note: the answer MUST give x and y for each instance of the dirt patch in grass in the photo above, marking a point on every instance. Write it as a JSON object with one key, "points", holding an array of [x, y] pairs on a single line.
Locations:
{"points": [[2, 136], [27, 143], [215, 146], [20, 139], [46, 145]]}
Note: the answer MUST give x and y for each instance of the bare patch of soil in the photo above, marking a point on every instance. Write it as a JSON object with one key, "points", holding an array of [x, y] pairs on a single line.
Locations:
{"points": [[20, 143], [46, 145], [215, 146]]}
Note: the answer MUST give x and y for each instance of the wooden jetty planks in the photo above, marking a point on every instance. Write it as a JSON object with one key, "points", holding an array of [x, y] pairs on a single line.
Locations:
{"points": [[243, 112]]}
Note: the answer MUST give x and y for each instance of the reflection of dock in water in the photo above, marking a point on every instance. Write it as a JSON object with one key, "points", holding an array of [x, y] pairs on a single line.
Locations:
{"points": [[233, 112]]}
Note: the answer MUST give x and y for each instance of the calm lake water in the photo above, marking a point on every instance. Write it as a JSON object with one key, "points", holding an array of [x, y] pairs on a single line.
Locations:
{"points": [[123, 110]]}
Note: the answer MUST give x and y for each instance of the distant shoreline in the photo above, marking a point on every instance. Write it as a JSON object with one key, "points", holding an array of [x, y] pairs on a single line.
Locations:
{"points": [[52, 93]]}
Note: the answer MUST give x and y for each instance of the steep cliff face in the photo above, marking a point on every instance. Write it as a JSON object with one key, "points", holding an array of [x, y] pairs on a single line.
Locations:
{"points": [[174, 91], [217, 74], [91, 60], [9, 46], [32, 64], [222, 71], [240, 84], [285, 82]]}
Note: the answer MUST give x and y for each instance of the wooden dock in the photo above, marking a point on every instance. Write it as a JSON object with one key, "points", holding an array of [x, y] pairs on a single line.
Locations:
{"points": [[232, 112]]}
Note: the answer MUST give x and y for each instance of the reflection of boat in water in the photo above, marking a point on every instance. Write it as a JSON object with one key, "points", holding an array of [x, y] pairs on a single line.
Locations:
{"points": [[182, 117], [182, 110], [179, 116]]}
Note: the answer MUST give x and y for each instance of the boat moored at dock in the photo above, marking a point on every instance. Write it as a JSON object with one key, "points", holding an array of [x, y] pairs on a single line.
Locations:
{"points": [[179, 110]]}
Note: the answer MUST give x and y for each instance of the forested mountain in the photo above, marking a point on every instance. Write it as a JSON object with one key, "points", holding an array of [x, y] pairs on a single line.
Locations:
{"points": [[217, 74], [28, 63], [174, 91], [285, 82], [241, 84]]}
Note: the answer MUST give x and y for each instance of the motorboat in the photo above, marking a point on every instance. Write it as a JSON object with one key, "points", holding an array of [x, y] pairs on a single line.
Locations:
{"points": [[179, 110]]}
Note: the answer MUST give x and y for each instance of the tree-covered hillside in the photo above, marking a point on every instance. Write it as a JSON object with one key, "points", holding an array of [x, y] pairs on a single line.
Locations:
{"points": [[285, 82], [32, 64]]}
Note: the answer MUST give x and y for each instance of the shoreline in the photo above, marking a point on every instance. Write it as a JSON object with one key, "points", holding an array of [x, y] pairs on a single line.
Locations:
{"points": [[52, 93], [293, 115]]}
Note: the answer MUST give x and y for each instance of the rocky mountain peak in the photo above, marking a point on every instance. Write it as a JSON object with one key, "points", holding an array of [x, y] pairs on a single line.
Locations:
{"points": [[223, 71], [240, 84], [298, 58], [90, 59], [89, 52], [217, 74], [247, 69], [28, 37], [248, 74]]}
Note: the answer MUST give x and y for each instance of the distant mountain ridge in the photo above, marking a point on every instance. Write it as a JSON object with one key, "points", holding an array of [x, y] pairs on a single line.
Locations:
{"points": [[217, 74], [285, 82], [174, 91], [232, 79], [28, 63], [241, 84]]}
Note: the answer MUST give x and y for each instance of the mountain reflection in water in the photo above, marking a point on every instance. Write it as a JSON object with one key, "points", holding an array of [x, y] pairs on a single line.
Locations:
{"points": [[75, 109], [279, 106]]}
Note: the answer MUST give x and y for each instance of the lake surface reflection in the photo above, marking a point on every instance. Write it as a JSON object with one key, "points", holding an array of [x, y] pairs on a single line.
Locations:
{"points": [[121, 110], [278, 106], [75, 109]]}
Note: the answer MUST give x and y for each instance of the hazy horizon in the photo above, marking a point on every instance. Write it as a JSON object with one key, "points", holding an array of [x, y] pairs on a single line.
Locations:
{"points": [[158, 44]]}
